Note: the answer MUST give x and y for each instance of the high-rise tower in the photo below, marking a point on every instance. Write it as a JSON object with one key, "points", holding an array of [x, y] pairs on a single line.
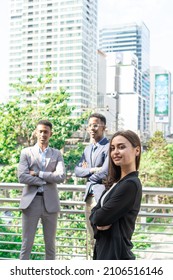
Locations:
{"points": [[63, 33], [135, 38]]}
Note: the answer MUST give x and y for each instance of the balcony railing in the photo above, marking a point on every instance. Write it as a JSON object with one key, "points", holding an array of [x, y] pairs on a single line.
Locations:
{"points": [[152, 238]]}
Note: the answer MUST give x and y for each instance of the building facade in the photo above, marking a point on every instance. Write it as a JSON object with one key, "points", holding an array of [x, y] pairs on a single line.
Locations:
{"points": [[124, 85], [135, 38], [62, 33], [105, 104], [101, 79]]}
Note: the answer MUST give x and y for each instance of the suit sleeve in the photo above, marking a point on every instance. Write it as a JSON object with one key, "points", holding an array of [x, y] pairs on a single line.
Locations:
{"points": [[119, 203], [58, 175], [97, 177], [23, 172], [81, 171]]}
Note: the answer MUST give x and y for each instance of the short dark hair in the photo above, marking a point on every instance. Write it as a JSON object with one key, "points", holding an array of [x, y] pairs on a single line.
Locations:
{"points": [[98, 116], [45, 122]]}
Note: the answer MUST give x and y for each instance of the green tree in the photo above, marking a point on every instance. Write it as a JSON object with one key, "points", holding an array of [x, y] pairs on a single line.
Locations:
{"points": [[157, 141], [19, 116], [71, 157], [156, 163]]}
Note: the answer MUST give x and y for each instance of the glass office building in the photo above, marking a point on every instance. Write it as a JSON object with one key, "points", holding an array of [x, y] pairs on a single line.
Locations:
{"points": [[63, 33], [135, 38]]}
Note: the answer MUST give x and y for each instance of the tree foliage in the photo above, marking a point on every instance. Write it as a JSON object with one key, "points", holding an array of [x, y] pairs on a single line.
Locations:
{"points": [[157, 141], [19, 116], [156, 163]]}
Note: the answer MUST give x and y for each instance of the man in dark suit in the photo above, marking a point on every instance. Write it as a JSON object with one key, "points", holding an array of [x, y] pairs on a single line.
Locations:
{"points": [[93, 164], [41, 168]]}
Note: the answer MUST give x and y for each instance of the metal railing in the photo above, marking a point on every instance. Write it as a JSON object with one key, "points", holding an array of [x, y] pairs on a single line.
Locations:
{"points": [[152, 238]]}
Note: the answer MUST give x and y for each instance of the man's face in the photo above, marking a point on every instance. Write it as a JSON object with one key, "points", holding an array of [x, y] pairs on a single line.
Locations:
{"points": [[96, 129], [43, 133]]}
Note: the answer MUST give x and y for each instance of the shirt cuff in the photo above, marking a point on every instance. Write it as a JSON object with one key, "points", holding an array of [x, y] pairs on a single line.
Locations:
{"points": [[41, 174]]}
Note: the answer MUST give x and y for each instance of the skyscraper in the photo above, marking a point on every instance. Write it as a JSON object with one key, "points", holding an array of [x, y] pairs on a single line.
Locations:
{"points": [[63, 33], [124, 85], [135, 38]]}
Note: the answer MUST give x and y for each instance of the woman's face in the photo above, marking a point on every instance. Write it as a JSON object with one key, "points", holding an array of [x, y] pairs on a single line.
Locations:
{"points": [[123, 154]]}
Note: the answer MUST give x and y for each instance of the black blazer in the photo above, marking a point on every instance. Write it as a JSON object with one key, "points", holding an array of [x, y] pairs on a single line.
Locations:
{"points": [[120, 209]]}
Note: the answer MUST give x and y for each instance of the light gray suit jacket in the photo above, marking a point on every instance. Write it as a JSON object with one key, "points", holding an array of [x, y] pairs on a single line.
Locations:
{"points": [[100, 160], [54, 174]]}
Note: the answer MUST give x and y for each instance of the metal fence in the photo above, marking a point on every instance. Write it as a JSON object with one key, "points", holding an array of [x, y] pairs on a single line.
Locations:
{"points": [[152, 238]]}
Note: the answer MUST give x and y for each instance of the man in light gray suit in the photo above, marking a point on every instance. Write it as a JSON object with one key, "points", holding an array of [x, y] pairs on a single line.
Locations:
{"points": [[93, 165], [41, 168]]}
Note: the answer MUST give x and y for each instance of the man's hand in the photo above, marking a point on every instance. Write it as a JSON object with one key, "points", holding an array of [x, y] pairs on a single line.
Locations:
{"points": [[84, 164], [95, 169], [33, 173], [103, 227]]}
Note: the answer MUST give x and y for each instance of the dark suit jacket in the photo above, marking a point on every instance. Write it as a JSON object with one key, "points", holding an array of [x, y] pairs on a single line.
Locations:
{"points": [[100, 160], [54, 174], [120, 209]]}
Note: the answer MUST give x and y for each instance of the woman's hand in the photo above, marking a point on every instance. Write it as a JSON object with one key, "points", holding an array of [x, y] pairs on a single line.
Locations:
{"points": [[103, 227]]}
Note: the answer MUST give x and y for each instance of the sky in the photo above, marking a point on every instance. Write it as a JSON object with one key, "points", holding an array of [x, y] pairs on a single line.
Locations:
{"points": [[156, 14]]}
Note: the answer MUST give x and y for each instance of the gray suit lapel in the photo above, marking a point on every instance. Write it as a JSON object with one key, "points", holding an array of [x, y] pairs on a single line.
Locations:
{"points": [[99, 150], [89, 153], [96, 153], [48, 157], [35, 153]]}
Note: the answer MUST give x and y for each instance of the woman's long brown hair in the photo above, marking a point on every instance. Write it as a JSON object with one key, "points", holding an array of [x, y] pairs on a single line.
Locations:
{"points": [[114, 172]]}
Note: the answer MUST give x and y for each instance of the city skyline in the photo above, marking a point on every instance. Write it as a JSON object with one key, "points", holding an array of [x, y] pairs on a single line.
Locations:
{"points": [[156, 14]]}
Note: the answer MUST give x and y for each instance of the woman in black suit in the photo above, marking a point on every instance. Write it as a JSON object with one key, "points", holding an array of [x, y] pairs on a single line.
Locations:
{"points": [[113, 218]]}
